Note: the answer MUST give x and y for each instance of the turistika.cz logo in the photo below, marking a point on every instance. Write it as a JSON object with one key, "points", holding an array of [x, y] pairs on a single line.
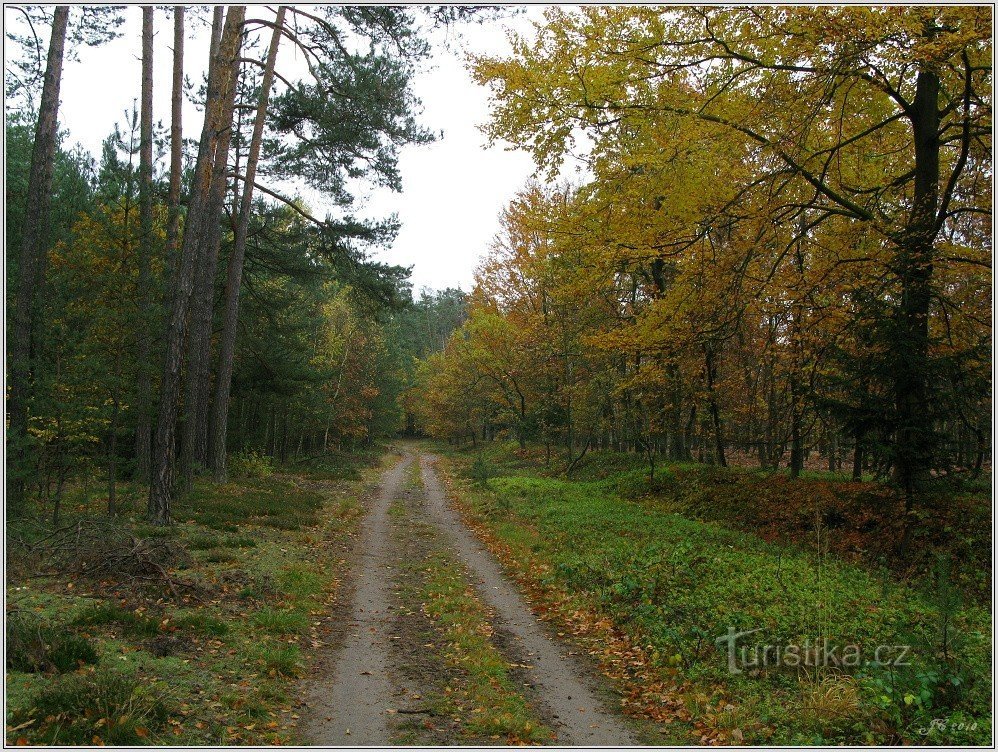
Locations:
{"points": [[810, 654]]}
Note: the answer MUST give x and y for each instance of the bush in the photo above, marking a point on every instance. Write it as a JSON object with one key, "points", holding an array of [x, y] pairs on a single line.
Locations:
{"points": [[34, 646], [481, 471], [106, 707], [251, 464]]}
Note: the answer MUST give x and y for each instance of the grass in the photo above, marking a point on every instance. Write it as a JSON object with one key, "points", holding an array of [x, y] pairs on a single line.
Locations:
{"points": [[672, 584], [281, 622], [35, 646], [105, 707], [487, 700], [259, 502], [216, 666], [133, 623]]}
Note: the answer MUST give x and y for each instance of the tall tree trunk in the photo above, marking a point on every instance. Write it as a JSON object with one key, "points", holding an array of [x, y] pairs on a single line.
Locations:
{"points": [[176, 145], [914, 270], [143, 430], [715, 413], [230, 316], [796, 428], [194, 442], [112, 461], [679, 452], [857, 455], [197, 225], [34, 251]]}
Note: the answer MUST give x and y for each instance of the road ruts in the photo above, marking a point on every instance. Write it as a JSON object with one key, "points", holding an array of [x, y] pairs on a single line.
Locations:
{"points": [[581, 719], [350, 707]]}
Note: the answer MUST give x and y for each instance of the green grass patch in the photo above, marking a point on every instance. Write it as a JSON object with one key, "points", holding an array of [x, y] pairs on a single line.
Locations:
{"points": [[488, 700], [106, 707], [265, 502], [284, 660], [35, 645], [281, 622], [676, 584], [338, 465], [300, 583], [221, 653], [107, 613], [202, 623]]}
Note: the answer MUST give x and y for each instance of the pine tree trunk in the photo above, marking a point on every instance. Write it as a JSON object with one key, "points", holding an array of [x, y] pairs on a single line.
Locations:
{"points": [[112, 461], [194, 441], [33, 259], [227, 343], [176, 145], [197, 226], [143, 397]]}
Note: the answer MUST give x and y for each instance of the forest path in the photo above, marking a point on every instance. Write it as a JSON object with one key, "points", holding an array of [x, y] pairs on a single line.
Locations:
{"points": [[371, 674], [349, 699], [564, 685]]}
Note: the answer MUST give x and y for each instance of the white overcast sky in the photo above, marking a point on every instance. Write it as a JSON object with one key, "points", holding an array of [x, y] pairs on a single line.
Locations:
{"points": [[453, 189]]}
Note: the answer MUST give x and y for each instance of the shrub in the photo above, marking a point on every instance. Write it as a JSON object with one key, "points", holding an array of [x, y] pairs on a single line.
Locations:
{"points": [[109, 707], [33, 646], [481, 471], [251, 464]]}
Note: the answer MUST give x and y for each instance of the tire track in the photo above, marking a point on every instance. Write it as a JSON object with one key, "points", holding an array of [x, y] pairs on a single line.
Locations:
{"points": [[349, 708], [581, 719]]}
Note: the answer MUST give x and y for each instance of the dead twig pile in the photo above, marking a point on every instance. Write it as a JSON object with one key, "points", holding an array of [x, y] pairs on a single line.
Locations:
{"points": [[103, 548]]}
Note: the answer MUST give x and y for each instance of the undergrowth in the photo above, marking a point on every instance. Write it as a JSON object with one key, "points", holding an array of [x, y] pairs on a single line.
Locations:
{"points": [[676, 584], [205, 653]]}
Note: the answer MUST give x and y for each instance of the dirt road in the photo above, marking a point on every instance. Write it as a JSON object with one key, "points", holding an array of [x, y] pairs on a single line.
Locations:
{"points": [[359, 695]]}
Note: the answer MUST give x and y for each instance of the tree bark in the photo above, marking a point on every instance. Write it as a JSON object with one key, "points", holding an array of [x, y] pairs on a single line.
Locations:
{"points": [[796, 428], [857, 455], [198, 224], [176, 144], [143, 398], [194, 441], [234, 275], [33, 258], [914, 270], [715, 413]]}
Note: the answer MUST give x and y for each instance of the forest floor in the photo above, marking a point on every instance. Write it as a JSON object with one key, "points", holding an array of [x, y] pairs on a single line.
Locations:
{"points": [[648, 576], [470, 597], [340, 604], [196, 633]]}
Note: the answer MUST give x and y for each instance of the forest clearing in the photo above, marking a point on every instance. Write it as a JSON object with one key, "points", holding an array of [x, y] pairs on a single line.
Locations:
{"points": [[494, 376]]}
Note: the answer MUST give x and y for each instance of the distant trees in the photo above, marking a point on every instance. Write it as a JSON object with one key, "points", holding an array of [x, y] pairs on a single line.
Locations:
{"points": [[606, 319], [829, 165]]}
